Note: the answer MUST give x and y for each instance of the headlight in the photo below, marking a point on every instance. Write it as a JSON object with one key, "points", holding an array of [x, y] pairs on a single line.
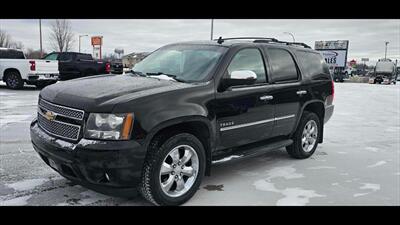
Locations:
{"points": [[109, 126]]}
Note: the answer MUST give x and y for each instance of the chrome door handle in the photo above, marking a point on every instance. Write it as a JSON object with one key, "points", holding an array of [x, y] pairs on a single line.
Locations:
{"points": [[302, 92], [266, 97]]}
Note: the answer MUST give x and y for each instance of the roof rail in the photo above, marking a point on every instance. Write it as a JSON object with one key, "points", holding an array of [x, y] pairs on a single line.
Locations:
{"points": [[220, 40]]}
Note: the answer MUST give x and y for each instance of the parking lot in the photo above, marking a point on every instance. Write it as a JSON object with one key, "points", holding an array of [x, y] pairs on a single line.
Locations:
{"points": [[358, 163]]}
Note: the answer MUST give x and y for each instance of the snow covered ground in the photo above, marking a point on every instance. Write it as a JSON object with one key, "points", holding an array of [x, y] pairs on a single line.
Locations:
{"points": [[358, 163]]}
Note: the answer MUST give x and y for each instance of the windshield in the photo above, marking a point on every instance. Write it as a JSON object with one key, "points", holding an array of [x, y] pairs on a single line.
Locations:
{"points": [[188, 63]]}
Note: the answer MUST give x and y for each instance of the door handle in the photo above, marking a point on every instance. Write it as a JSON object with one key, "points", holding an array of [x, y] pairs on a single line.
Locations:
{"points": [[302, 92], [266, 97]]}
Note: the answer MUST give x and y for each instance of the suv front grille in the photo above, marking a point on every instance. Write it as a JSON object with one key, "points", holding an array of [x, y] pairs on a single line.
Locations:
{"points": [[59, 120], [62, 110]]}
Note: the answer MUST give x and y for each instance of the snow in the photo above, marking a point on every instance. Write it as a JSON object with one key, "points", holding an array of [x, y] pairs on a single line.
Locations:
{"points": [[163, 77], [20, 201], [321, 167], [373, 187], [85, 142], [287, 172], [227, 158], [380, 163], [26, 185], [5, 120]]}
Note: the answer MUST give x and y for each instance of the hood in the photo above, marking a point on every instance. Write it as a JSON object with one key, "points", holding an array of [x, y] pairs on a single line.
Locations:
{"points": [[101, 93]]}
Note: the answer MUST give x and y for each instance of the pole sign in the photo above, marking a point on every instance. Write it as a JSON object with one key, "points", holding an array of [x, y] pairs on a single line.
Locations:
{"points": [[97, 42], [334, 52], [365, 59]]}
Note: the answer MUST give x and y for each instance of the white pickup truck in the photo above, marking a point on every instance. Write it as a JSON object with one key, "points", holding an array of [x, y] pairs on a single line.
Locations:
{"points": [[15, 69]]}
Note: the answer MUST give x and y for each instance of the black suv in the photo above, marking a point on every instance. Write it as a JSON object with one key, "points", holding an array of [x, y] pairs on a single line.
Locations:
{"points": [[181, 109]]}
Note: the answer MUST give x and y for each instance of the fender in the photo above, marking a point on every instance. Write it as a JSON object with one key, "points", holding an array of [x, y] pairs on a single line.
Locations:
{"points": [[301, 113], [195, 118]]}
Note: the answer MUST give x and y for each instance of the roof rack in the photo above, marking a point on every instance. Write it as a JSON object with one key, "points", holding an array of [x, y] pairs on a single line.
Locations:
{"points": [[220, 40]]}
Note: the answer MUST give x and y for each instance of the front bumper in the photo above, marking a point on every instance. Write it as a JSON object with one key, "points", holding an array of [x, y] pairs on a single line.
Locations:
{"points": [[110, 167]]}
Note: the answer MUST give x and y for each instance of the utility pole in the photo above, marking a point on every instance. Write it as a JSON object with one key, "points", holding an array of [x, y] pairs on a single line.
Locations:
{"points": [[386, 44], [290, 35], [40, 31], [212, 28]]}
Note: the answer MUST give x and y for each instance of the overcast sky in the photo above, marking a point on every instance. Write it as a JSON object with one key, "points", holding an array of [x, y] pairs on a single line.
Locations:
{"points": [[366, 37]]}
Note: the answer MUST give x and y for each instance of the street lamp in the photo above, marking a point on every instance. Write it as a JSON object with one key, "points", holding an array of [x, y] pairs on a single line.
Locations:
{"points": [[84, 35], [290, 35], [386, 44]]}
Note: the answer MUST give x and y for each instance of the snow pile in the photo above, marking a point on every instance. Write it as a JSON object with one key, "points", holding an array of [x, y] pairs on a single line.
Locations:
{"points": [[16, 201], [26, 184], [292, 196]]}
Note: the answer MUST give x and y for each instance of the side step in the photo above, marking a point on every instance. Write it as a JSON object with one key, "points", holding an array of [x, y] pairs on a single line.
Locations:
{"points": [[249, 151]]}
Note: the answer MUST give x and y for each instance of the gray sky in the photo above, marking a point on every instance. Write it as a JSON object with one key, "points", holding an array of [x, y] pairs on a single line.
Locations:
{"points": [[366, 37]]}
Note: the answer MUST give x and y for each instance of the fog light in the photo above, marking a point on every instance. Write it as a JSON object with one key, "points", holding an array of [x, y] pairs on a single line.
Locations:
{"points": [[107, 177]]}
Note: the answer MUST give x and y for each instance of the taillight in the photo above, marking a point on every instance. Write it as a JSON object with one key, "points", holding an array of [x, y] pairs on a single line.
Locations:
{"points": [[108, 67], [333, 90], [33, 65]]}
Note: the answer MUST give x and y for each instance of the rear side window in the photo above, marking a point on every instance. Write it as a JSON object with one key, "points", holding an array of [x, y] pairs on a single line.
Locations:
{"points": [[84, 57], [249, 59], [65, 57], [11, 54], [282, 64], [312, 64]]}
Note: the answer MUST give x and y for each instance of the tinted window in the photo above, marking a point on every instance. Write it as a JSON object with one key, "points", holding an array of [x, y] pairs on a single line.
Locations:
{"points": [[52, 56], [282, 64], [84, 56], [11, 54], [312, 64], [249, 59], [65, 57]]}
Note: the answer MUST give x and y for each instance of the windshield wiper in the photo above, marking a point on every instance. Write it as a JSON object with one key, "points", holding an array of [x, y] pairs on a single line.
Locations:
{"points": [[138, 73], [166, 74]]}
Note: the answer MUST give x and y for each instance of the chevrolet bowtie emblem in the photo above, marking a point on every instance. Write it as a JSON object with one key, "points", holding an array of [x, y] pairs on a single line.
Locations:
{"points": [[50, 115]]}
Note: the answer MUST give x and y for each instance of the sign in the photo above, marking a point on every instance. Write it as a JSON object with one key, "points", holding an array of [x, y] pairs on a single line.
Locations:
{"points": [[97, 52], [97, 40], [335, 58], [365, 59], [332, 45]]}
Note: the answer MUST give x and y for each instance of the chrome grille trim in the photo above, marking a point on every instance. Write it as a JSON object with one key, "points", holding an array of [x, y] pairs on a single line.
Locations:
{"points": [[61, 110], [75, 135]]}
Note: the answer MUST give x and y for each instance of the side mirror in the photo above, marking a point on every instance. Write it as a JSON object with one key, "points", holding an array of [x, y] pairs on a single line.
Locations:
{"points": [[240, 77]]}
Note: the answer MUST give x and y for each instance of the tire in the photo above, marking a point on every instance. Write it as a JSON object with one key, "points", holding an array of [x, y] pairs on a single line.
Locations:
{"points": [[159, 152], [297, 150], [13, 80]]}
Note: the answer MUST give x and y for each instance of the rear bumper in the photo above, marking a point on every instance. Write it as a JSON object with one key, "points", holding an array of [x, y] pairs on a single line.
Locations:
{"points": [[42, 77], [328, 112], [109, 167]]}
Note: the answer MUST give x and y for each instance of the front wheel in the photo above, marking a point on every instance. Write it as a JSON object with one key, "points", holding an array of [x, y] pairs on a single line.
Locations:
{"points": [[305, 139], [173, 170]]}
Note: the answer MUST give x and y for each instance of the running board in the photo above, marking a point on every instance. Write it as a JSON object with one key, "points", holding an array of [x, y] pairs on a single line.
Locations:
{"points": [[250, 152]]}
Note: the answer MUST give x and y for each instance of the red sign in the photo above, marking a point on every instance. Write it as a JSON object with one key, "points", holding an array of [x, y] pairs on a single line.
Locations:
{"points": [[97, 40], [353, 62]]}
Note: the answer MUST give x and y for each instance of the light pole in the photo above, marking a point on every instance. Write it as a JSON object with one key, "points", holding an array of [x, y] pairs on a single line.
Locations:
{"points": [[40, 32], [386, 44], [290, 35], [212, 28], [84, 35]]}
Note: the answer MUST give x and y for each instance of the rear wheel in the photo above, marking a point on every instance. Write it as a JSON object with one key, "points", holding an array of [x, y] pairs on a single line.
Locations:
{"points": [[13, 80], [173, 170], [305, 139]]}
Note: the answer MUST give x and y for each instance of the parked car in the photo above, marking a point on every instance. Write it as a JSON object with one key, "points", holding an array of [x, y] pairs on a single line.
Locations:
{"points": [[116, 66], [184, 107], [15, 70], [349, 71], [74, 65], [384, 73]]}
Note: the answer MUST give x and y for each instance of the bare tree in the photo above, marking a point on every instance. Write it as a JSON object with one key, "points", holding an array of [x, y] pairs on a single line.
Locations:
{"points": [[5, 39], [61, 36], [33, 54]]}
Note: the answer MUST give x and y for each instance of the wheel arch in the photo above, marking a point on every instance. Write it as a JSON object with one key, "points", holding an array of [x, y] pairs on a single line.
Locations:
{"points": [[199, 126], [317, 107], [6, 71]]}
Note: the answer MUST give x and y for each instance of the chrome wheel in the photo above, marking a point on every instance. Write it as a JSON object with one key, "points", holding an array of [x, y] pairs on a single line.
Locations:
{"points": [[179, 170], [309, 136]]}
